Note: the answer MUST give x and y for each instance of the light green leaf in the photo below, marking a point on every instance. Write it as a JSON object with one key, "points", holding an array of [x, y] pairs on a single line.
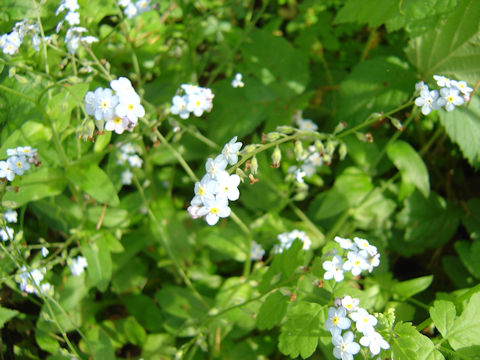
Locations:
{"points": [[30, 133], [41, 183], [452, 47], [443, 314], [6, 314], [375, 85], [299, 335], [99, 262], [406, 289], [410, 164], [272, 310], [470, 254], [94, 181], [466, 329], [411, 345], [463, 127]]}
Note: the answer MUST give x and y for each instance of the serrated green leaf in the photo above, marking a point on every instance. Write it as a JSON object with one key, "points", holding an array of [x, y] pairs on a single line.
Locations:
{"points": [[406, 289], [375, 85], [443, 314], [272, 310], [95, 182], [463, 127], [466, 329], [452, 47], [409, 344], [299, 335], [410, 164]]}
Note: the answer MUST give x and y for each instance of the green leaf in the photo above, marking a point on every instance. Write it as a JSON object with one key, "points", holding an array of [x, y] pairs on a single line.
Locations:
{"points": [[299, 335], [180, 302], [410, 164], [409, 344], [30, 133], [428, 222], [145, 311], [41, 183], [272, 310], [6, 314], [103, 349], [94, 181], [470, 254], [406, 289], [466, 329], [471, 220], [451, 47], [463, 127], [393, 13], [99, 262], [443, 314], [375, 85]]}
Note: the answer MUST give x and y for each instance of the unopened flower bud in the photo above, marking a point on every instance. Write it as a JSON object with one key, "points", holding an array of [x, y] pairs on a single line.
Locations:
{"points": [[319, 146], [298, 150], [276, 157], [271, 136], [396, 123], [241, 174], [327, 159], [285, 129], [330, 147], [341, 125], [254, 165], [342, 151], [248, 149]]}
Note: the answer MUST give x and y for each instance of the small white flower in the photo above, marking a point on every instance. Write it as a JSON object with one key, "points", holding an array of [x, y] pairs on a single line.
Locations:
{"points": [[105, 103], [88, 39], [122, 86], [334, 269], [78, 265], [306, 125], [287, 239], [127, 177], [227, 186], [142, 5], [26, 151], [365, 245], [193, 211], [372, 260], [130, 11], [130, 107], [70, 5], [350, 304], [450, 98], [124, 3], [135, 161], [18, 164], [44, 251], [442, 81], [197, 104], [179, 106], [428, 101], [420, 86], [127, 148], [231, 149], [90, 103], [237, 81], [364, 322], [213, 209], [215, 166], [375, 342], [204, 189], [256, 251], [10, 216], [6, 171], [6, 233], [463, 87], [73, 18], [117, 124], [345, 347], [346, 243], [355, 263], [337, 320]]}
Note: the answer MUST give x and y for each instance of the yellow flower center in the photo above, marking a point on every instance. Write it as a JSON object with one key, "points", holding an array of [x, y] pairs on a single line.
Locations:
{"points": [[130, 107], [117, 120], [104, 104], [201, 190], [450, 99], [214, 210], [335, 320]]}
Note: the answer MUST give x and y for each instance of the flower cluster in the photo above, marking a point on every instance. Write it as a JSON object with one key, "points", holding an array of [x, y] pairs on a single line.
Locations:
{"points": [[452, 93], [133, 9], [304, 124], [31, 281], [78, 265], [217, 187], [19, 160], [361, 256], [72, 17], [128, 156], [310, 159], [237, 81], [286, 240], [117, 111], [340, 318], [6, 232], [9, 43], [196, 100]]}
